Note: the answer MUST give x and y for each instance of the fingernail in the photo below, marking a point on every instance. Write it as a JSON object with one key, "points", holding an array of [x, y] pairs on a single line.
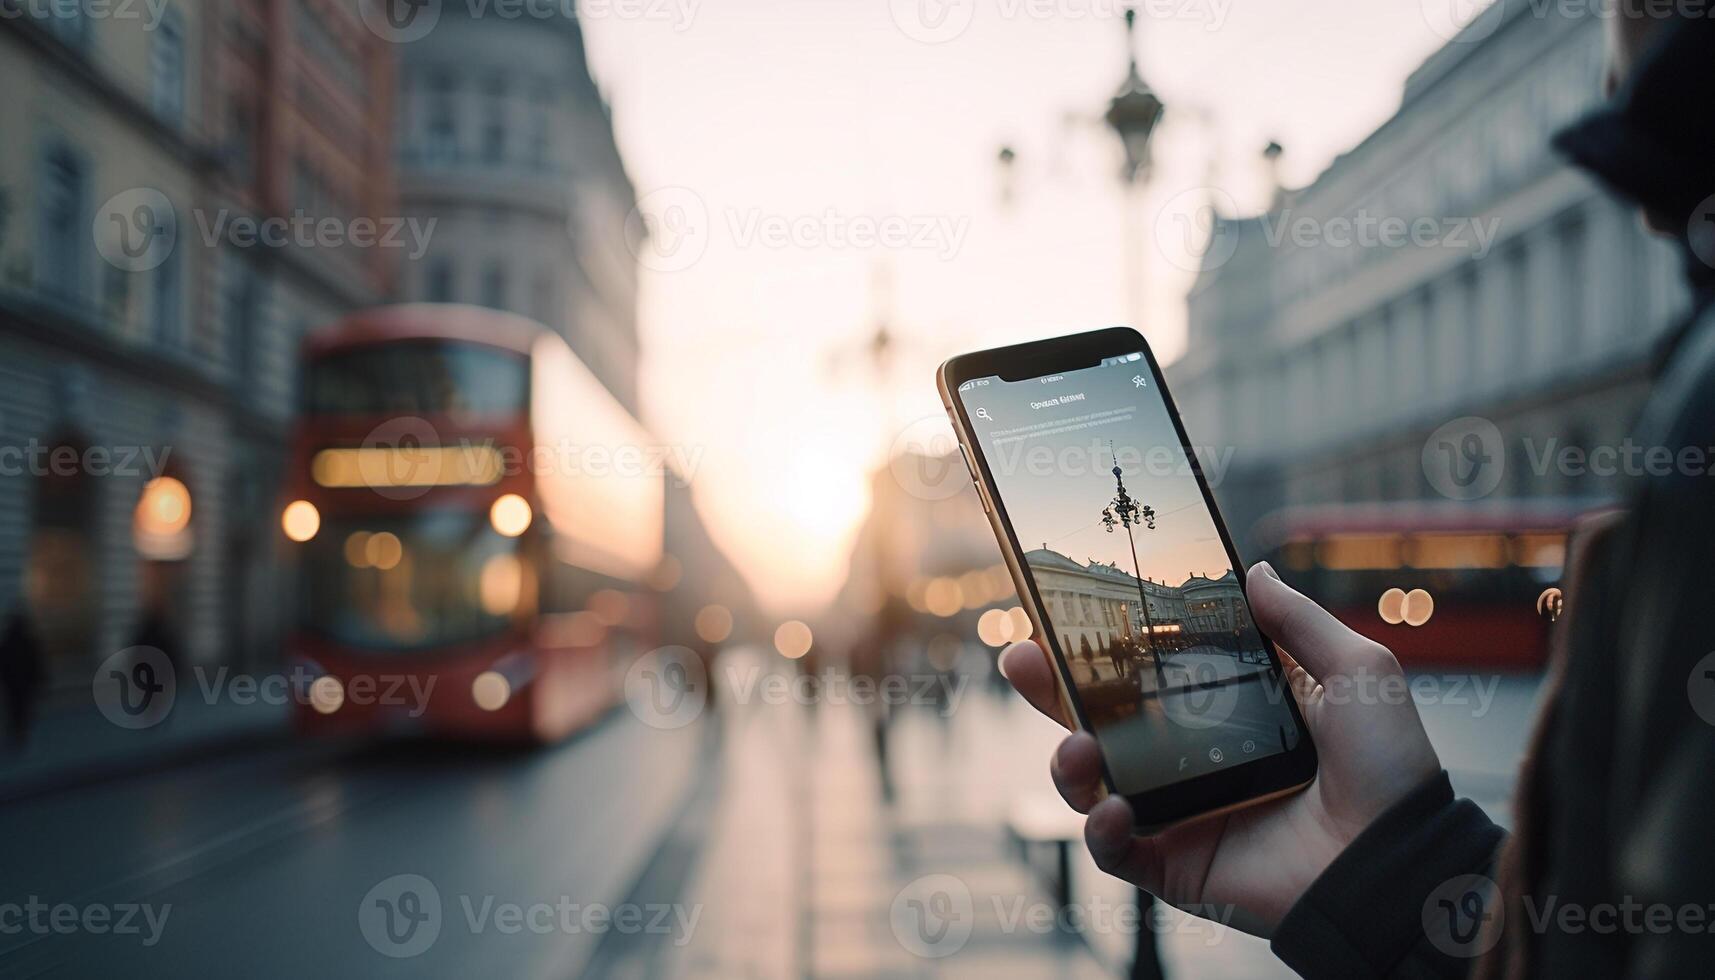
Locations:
{"points": [[1108, 829], [1267, 569], [1000, 665]]}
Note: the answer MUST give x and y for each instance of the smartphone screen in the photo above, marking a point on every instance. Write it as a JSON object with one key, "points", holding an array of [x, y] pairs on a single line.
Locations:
{"points": [[1137, 583]]}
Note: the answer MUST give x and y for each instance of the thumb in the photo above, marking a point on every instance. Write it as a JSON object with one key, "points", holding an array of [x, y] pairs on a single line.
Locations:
{"points": [[1322, 644]]}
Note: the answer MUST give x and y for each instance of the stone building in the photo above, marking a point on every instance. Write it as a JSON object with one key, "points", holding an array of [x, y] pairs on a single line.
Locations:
{"points": [[1095, 606], [1448, 266], [146, 353], [506, 142]]}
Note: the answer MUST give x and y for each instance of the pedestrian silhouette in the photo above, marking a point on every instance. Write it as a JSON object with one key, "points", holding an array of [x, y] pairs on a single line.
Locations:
{"points": [[20, 676]]}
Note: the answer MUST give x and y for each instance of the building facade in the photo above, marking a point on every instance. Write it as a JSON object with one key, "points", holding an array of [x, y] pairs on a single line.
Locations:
{"points": [[147, 356], [1326, 345], [1215, 605], [1095, 606], [507, 144]]}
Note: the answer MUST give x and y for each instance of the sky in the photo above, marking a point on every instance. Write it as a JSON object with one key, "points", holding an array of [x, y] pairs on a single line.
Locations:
{"points": [[1047, 442], [814, 167]]}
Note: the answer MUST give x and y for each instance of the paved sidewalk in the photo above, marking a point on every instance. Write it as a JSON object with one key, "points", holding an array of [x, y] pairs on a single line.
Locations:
{"points": [[972, 768], [73, 743], [807, 871], [805, 868]]}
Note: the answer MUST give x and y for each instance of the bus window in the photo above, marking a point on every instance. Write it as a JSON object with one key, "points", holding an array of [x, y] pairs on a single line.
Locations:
{"points": [[424, 378], [414, 582]]}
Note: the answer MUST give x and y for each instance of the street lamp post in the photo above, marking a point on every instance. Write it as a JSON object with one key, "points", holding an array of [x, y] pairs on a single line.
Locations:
{"points": [[1133, 113], [1126, 511]]}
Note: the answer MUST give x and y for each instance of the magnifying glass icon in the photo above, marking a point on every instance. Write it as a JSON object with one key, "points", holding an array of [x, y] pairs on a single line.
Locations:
{"points": [[983, 413]]}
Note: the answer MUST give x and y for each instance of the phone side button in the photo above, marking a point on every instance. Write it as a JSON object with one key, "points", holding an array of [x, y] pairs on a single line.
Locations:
{"points": [[983, 496], [970, 464]]}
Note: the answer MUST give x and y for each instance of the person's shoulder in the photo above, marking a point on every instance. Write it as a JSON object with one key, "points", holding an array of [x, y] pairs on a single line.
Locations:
{"points": [[1680, 412]]}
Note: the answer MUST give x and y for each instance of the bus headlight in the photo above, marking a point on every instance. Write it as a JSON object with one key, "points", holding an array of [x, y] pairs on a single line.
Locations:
{"points": [[510, 515], [491, 690], [327, 694], [300, 520]]}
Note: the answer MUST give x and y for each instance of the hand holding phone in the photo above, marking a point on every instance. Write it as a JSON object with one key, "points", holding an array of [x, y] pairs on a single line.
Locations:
{"points": [[1155, 647], [1129, 577], [1248, 867]]}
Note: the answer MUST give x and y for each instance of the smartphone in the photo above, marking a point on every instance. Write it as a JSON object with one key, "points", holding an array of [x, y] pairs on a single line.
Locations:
{"points": [[1100, 505]]}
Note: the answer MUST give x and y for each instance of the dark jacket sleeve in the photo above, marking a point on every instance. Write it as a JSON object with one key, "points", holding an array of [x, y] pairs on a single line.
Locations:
{"points": [[1364, 917]]}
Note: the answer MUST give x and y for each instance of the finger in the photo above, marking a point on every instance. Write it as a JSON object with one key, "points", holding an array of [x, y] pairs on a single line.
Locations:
{"points": [[1303, 688], [1321, 644], [1077, 770], [1116, 850], [1026, 666]]}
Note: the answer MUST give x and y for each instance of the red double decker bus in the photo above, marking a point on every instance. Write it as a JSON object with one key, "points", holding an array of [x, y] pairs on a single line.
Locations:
{"points": [[476, 524], [1440, 583]]}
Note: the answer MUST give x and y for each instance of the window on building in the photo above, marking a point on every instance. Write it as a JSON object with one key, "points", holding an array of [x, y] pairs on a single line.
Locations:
{"points": [[494, 121], [1520, 471], [168, 308], [244, 310], [167, 69], [1519, 342], [438, 282], [241, 142], [494, 287], [541, 129], [440, 137], [115, 295], [1573, 318], [63, 201]]}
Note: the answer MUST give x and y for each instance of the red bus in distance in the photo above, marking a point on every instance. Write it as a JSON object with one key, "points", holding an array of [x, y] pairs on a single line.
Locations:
{"points": [[462, 526], [1440, 583]]}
